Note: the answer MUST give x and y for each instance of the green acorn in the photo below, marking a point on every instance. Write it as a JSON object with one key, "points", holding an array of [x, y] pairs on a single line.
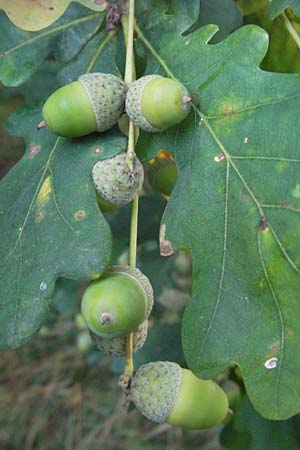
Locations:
{"points": [[117, 346], [117, 303], [154, 103], [93, 103], [115, 182], [164, 392], [162, 175]]}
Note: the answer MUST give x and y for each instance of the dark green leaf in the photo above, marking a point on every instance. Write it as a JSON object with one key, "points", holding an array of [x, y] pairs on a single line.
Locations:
{"points": [[248, 7], [223, 13], [22, 52], [50, 223], [277, 6], [238, 161], [99, 54], [67, 295], [249, 431]]}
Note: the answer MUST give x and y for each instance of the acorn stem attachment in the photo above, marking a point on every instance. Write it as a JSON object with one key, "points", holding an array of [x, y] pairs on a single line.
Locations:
{"points": [[106, 318], [230, 412], [187, 100]]}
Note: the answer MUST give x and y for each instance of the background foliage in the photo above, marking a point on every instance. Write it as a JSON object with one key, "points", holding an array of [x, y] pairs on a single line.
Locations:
{"points": [[238, 218]]}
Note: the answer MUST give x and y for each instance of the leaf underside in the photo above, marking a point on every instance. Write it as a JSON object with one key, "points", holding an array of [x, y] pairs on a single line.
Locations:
{"points": [[237, 208]]}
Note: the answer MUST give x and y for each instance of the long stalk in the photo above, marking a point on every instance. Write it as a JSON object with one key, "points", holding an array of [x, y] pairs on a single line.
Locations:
{"points": [[128, 30]]}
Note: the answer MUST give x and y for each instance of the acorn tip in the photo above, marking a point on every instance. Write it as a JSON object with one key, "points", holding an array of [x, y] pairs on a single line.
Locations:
{"points": [[42, 124], [230, 412], [187, 100]]}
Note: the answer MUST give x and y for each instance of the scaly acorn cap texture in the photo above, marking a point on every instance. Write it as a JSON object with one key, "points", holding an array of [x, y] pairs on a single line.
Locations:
{"points": [[155, 103], [107, 96], [155, 388], [164, 392], [115, 182], [133, 104], [117, 346]]}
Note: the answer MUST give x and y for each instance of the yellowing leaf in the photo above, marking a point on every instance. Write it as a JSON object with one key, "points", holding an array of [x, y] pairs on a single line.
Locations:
{"points": [[32, 15]]}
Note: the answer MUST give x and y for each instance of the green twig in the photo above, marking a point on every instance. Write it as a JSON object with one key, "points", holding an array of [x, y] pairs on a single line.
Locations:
{"points": [[128, 28]]}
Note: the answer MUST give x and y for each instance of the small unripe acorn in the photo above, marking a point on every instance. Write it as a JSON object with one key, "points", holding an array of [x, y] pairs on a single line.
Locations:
{"points": [[164, 392], [155, 103], [93, 103], [162, 175], [117, 346], [115, 182], [117, 303]]}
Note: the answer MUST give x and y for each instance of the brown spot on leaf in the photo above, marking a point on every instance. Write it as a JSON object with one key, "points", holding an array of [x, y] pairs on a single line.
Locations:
{"points": [[289, 334], [79, 215], [39, 217], [244, 197], [166, 248], [274, 347], [263, 224], [33, 150]]}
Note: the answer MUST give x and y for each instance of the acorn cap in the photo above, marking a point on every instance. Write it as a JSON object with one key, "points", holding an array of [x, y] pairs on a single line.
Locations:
{"points": [[115, 182], [117, 346], [107, 96], [140, 278], [155, 388], [134, 103]]}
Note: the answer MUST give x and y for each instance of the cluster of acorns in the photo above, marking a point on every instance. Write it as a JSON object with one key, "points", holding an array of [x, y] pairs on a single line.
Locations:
{"points": [[120, 302], [95, 103]]}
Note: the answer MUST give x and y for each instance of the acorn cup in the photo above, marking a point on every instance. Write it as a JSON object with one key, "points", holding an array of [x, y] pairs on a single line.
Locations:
{"points": [[115, 182], [93, 103], [117, 346], [164, 392], [117, 303], [154, 103]]}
